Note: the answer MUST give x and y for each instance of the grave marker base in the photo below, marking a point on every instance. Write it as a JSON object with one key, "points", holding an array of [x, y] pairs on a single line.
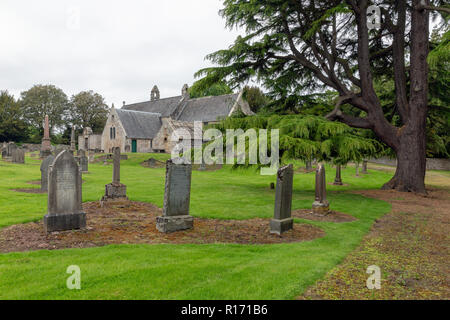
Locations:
{"points": [[64, 222], [321, 209], [169, 224], [281, 226]]}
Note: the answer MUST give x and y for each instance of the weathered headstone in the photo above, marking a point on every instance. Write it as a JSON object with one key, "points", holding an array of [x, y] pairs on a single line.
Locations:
{"points": [[4, 153], [18, 156], [308, 165], [321, 206], [46, 147], [283, 221], [10, 148], [364, 167], [357, 169], [65, 211], [338, 180], [84, 161], [115, 190], [44, 172], [176, 199]]}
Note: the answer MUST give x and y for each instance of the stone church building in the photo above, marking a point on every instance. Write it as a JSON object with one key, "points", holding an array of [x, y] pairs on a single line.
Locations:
{"points": [[148, 126]]}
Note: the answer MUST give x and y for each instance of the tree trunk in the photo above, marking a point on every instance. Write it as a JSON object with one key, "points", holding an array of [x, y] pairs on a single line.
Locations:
{"points": [[411, 164]]}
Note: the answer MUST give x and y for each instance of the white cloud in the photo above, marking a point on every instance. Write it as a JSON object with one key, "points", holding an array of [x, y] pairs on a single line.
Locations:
{"points": [[119, 49]]}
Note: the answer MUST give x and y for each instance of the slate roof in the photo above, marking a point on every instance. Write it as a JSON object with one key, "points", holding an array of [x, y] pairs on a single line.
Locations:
{"points": [[208, 109], [140, 125], [165, 106]]}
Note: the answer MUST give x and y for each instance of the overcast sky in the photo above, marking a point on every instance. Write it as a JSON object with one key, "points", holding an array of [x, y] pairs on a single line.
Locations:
{"points": [[119, 49]]}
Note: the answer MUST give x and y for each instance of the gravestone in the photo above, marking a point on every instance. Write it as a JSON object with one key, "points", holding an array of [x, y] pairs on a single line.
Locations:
{"points": [[357, 169], [4, 153], [46, 147], [18, 156], [84, 161], [321, 206], [338, 180], [72, 141], [65, 211], [176, 199], [308, 165], [364, 167], [115, 190], [10, 148], [283, 221], [44, 172]]}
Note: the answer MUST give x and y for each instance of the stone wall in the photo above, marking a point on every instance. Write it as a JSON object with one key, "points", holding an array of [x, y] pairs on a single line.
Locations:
{"points": [[432, 164]]}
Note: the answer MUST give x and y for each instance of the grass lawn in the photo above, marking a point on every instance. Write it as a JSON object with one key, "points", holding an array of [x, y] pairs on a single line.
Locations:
{"points": [[218, 271]]}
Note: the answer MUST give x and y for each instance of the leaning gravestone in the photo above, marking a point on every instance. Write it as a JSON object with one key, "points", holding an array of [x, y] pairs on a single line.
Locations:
{"points": [[44, 172], [321, 206], [176, 199], [18, 156], [65, 211], [115, 190], [283, 221]]}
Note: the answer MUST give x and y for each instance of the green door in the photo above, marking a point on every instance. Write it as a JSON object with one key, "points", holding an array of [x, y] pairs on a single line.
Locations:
{"points": [[133, 146]]}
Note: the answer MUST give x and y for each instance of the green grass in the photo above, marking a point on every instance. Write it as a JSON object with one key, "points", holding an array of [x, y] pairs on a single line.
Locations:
{"points": [[186, 271]]}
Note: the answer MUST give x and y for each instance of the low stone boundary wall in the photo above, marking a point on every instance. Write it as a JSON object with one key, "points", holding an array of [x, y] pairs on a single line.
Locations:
{"points": [[432, 164]]}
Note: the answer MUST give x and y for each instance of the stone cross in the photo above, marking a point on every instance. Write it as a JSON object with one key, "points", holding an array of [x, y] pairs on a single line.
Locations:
{"points": [[283, 221], [338, 180], [115, 190], [65, 211], [44, 172], [116, 166], [46, 147], [18, 156], [321, 206], [176, 199]]}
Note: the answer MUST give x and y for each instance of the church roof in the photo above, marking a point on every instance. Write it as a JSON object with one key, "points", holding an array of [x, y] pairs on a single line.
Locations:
{"points": [[208, 109], [165, 107], [140, 125]]}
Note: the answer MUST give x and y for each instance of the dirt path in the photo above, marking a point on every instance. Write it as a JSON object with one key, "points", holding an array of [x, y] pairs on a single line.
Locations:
{"points": [[411, 245]]}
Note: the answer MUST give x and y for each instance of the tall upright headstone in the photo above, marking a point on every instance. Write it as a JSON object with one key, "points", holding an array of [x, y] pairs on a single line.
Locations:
{"points": [[282, 221], [18, 156], [176, 199], [46, 147], [338, 179], [84, 161], [44, 172], [321, 206], [357, 169], [364, 167], [72, 141], [115, 190], [65, 211]]}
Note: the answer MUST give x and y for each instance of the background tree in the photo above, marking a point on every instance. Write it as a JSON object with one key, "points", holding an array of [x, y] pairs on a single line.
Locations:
{"points": [[256, 99], [12, 125], [43, 100], [88, 109], [298, 46], [200, 89]]}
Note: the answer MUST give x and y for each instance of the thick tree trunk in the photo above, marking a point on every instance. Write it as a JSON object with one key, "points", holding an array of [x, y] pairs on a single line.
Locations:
{"points": [[411, 166]]}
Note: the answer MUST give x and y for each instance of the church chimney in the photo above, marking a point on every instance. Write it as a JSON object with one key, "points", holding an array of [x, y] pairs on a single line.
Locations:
{"points": [[155, 94]]}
